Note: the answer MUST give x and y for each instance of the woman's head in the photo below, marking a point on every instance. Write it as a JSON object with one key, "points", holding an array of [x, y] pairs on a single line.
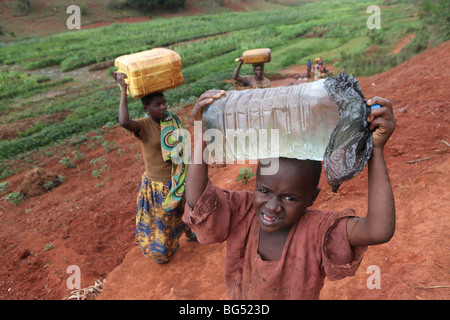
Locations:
{"points": [[281, 199], [258, 70], [155, 105]]}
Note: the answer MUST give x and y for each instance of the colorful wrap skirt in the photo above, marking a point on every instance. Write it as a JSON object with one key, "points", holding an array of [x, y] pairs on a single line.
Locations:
{"points": [[157, 231]]}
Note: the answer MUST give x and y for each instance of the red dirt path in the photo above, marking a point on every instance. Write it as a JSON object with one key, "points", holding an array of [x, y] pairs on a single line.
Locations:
{"points": [[89, 221]]}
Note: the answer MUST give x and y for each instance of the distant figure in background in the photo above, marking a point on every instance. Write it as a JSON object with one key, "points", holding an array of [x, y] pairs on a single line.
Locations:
{"points": [[308, 68], [317, 71], [257, 80], [160, 201], [323, 69]]}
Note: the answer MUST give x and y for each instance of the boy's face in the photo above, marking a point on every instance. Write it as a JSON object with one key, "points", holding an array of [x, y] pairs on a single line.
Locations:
{"points": [[281, 199], [157, 108]]}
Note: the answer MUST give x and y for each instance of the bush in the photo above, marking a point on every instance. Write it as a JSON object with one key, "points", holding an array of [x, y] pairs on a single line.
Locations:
{"points": [[436, 12]]}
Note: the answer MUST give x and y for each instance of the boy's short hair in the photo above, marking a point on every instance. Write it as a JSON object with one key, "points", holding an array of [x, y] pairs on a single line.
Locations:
{"points": [[148, 98], [311, 166]]}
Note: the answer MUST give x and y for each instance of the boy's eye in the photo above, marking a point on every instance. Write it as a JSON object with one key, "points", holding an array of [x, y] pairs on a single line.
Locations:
{"points": [[264, 191], [289, 198]]}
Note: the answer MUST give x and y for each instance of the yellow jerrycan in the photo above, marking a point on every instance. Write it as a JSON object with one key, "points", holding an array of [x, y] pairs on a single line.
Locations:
{"points": [[150, 71], [262, 55]]}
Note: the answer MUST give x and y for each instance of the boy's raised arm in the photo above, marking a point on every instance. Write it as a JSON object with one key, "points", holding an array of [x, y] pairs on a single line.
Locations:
{"points": [[197, 175], [379, 224]]}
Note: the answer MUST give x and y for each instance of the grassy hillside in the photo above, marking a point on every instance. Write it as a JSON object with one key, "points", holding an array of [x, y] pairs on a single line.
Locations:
{"points": [[208, 45]]}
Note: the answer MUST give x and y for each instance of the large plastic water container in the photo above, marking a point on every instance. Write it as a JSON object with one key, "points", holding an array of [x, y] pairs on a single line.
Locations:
{"points": [[262, 55], [293, 121], [150, 71]]}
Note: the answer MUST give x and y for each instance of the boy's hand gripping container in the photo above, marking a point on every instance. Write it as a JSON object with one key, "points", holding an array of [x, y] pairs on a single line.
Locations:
{"points": [[262, 55], [150, 71]]}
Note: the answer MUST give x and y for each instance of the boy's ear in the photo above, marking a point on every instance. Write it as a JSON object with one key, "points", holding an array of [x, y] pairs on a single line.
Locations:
{"points": [[314, 197]]}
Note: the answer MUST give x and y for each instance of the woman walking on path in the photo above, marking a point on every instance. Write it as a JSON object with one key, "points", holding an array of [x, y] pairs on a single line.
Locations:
{"points": [[160, 201]]}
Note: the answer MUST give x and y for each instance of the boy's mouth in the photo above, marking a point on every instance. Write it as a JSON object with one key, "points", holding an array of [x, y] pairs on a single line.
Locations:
{"points": [[268, 220]]}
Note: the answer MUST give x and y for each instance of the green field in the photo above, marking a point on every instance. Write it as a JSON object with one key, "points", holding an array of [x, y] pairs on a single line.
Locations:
{"points": [[208, 45]]}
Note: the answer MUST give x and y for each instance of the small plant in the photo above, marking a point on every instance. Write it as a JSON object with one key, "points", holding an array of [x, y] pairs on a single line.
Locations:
{"points": [[245, 174], [15, 197], [3, 186], [48, 247], [109, 146], [67, 162], [6, 173], [78, 141], [109, 125], [48, 153], [99, 139], [96, 173], [77, 155], [95, 160], [99, 184], [54, 183]]}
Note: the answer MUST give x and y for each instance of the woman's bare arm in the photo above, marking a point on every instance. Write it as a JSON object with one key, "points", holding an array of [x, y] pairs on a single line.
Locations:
{"points": [[124, 117]]}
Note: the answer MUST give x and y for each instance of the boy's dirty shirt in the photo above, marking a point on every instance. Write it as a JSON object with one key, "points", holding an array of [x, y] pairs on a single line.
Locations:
{"points": [[317, 246]]}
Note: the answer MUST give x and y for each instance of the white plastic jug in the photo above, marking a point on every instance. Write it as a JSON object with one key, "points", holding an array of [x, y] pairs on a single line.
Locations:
{"points": [[293, 121]]}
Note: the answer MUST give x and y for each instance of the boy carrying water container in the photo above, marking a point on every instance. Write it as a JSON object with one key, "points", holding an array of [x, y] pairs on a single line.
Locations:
{"points": [[277, 246]]}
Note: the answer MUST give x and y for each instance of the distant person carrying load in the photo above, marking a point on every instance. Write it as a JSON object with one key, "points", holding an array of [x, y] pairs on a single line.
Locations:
{"points": [[323, 70], [256, 57], [317, 71], [320, 71]]}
